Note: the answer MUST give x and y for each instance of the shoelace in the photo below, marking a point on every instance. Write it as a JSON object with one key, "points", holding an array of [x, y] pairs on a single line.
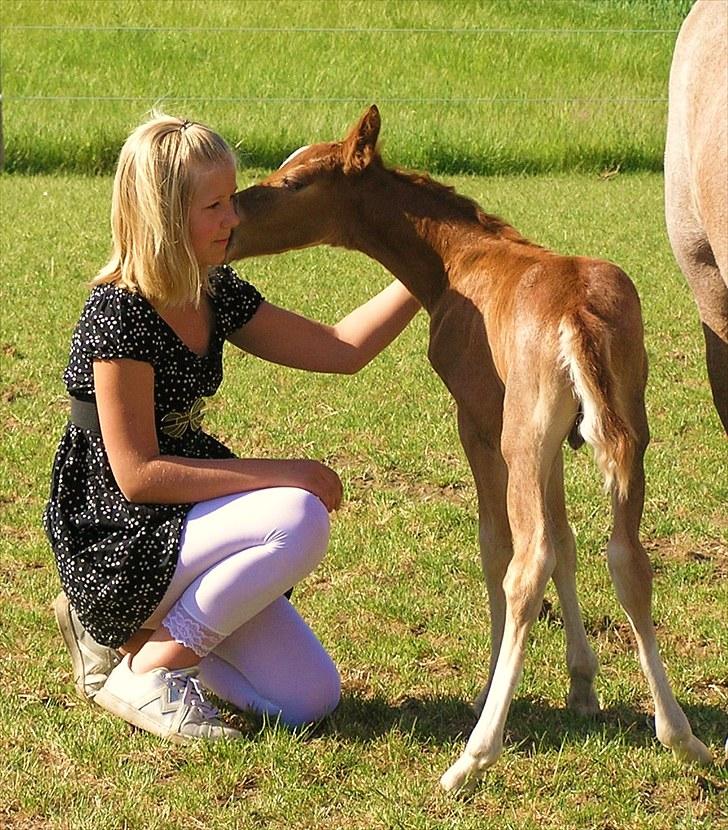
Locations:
{"points": [[192, 694]]}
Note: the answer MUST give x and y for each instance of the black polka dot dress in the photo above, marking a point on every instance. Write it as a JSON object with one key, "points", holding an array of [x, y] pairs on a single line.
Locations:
{"points": [[116, 558]]}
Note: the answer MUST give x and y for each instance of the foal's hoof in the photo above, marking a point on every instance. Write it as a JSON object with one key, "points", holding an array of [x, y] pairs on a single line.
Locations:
{"points": [[584, 706], [693, 751], [462, 777], [582, 700]]}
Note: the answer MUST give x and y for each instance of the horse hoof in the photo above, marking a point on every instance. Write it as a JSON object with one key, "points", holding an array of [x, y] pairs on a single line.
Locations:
{"points": [[693, 751], [464, 774], [460, 778], [586, 706]]}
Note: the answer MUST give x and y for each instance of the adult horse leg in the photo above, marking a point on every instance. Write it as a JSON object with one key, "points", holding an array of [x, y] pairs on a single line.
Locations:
{"points": [[631, 574], [697, 262], [704, 263], [716, 358]]}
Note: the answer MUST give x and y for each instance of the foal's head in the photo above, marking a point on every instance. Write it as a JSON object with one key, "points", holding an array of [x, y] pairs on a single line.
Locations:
{"points": [[300, 204]]}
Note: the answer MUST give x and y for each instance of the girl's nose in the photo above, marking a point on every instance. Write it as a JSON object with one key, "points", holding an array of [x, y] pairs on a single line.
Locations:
{"points": [[232, 219]]}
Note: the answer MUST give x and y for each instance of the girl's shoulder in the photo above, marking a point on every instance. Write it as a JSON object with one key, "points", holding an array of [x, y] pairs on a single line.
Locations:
{"points": [[112, 299], [235, 300], [116, 322], [225, 279]]}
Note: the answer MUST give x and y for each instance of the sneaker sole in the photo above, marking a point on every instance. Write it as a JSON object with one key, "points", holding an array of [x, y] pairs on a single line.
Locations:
{"points": [[111, 703], [62, 613]]}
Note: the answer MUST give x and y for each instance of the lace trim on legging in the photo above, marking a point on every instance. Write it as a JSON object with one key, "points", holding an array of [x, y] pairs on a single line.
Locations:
{"points": [[189, 632]]}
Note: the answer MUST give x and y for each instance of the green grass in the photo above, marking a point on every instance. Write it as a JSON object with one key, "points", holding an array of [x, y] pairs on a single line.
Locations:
{"points": [[581, 93], [399, 600]]}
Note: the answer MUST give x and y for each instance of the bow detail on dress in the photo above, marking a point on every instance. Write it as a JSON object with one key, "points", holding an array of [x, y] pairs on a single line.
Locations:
{"points": [[175, 424]]}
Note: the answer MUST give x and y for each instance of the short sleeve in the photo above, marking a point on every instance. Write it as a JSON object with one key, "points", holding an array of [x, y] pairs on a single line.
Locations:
{"points": [[234, 299], [116, 324]]}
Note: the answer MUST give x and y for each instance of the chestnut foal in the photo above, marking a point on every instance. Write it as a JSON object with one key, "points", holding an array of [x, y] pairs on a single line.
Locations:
{"points": [[535, 348]]}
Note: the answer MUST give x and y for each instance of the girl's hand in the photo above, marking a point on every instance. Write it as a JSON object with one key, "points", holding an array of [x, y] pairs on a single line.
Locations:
{"points": [[145, 476], [318, 479]]}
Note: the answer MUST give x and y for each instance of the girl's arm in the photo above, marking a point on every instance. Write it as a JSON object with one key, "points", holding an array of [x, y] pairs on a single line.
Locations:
{"points": [[292, 340], [125, 402]]}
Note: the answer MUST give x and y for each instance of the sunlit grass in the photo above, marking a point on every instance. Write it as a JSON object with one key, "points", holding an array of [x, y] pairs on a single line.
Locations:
{"points": [[483, 87], [399, 600]]}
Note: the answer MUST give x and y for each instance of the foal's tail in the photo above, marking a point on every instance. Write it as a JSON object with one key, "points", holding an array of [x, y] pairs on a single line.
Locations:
{"points": [[584, 343]]}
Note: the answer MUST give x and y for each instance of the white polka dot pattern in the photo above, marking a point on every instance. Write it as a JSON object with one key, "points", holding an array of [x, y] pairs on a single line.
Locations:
{"points": [[115, 558]]}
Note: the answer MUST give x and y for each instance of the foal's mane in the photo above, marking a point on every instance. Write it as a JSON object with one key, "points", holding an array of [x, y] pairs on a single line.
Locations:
{"points": [[459, 204]]}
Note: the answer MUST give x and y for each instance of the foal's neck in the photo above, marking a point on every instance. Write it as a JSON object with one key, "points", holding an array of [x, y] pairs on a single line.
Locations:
{"points": [[425, 233]]}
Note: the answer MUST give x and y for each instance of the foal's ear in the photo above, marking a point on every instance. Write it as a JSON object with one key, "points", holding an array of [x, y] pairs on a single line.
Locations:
{"points": [[361, 143]]}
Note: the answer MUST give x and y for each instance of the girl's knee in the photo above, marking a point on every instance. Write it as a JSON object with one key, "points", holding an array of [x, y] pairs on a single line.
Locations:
{"points": [[329, 691], [314, 699], [305, 520]]}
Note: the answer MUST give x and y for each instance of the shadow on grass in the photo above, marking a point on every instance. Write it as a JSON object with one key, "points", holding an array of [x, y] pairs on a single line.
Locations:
{"points": [[40, 155], [531, 724]]}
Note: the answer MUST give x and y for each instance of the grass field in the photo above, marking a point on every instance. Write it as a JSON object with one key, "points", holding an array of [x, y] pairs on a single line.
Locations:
{"points": [[270, 75], [399, 600]]}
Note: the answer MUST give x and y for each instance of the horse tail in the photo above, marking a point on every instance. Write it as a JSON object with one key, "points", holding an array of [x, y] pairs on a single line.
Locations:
{"points": [[585, 351]]}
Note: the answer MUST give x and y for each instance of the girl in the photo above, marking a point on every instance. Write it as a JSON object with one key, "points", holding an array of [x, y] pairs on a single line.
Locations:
{"points": [[169, 548]]}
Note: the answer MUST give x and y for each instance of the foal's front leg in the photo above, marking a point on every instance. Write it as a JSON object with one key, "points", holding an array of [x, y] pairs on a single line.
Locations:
{"points": [[529, 450], [482, 448]]}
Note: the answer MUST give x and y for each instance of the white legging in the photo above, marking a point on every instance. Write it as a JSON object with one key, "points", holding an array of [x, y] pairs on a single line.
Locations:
{"points": [[238, 555]]}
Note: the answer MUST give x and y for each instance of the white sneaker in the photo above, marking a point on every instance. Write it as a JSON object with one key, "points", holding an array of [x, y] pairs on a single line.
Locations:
{"points": [[167, 703], [91, 661]]}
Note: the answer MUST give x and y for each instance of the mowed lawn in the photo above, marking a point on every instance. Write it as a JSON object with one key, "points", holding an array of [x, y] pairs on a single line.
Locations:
{"points": [[399, 600], [569, 91], [486, 87]]}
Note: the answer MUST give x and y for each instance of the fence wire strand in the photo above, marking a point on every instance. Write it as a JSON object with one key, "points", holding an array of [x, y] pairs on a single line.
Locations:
{"points": [[342, 30]]}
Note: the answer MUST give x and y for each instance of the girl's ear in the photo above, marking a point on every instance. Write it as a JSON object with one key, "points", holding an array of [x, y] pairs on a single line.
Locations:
{"points": [[360, 146]]}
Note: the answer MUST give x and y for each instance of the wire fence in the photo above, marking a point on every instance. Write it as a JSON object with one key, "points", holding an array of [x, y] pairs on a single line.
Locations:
{"points": [[432, 30], [454, 101]]}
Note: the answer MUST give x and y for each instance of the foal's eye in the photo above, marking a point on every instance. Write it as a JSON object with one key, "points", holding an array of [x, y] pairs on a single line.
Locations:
{"points": [[291, 183]]}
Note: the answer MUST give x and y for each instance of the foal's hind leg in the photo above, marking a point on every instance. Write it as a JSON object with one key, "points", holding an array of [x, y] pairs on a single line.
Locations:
{"points": [[631, 574], [580, 658]]}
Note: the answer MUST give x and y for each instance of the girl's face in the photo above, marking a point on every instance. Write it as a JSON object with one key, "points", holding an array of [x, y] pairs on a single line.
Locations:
{"points": [[212, 215]]}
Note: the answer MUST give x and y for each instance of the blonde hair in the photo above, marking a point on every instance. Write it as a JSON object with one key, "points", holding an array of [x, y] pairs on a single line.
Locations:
{"points": [[155, 179]]}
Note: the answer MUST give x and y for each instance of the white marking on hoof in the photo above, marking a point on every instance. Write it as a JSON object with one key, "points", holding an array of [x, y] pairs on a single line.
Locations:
{"points": [[693, 751], [462, 776]]}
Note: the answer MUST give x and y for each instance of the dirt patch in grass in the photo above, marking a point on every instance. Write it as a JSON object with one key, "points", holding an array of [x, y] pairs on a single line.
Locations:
{"points": [[416, 488], [13, 818], [711, 691], [684, 550], [617, 633]]}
